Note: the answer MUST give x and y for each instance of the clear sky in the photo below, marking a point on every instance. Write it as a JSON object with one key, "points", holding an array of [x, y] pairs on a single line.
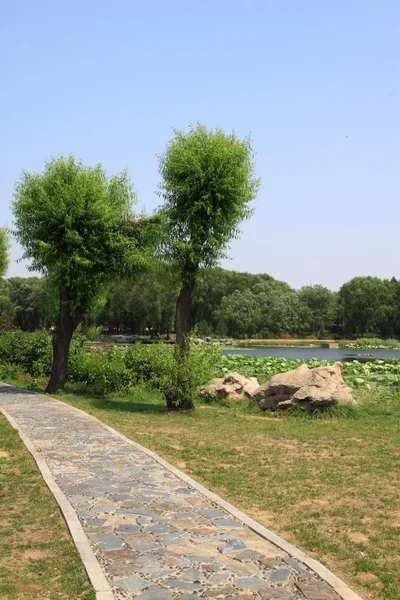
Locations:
{"points": [[315, 82]]}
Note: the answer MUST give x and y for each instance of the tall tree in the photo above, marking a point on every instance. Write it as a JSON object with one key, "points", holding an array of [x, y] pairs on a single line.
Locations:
{"points": [[76, 224], [367, 306], [322, 308], [207, 184]]}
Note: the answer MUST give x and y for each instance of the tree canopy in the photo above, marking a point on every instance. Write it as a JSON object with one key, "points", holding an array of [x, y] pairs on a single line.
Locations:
{"points": [[76, 224], [207, 184]]}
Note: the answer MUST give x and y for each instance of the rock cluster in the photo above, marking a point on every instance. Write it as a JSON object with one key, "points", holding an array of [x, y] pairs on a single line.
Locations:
{"points": [[233, 387], [304, 387]]}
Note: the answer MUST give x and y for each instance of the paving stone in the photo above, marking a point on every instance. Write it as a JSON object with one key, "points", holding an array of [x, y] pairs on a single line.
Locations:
{"points": [[218, 578], [192, 575], [247, 555], [278, 594], [268, 561], [251, 583], [183, 515], [132, 583], [78, 499], [232, 546], [212, 513], [156, 593], [93, 522], [103, 509], [183, 585], [281, 575], [127, 529], [227, 523], [299, 567], [140, 545], [317, 590], [222, 592], [160, 528], [107, 541]]}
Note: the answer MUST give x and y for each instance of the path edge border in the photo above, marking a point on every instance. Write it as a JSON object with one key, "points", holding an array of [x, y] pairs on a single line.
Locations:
{"points": [[92, 567], [339, 586]]}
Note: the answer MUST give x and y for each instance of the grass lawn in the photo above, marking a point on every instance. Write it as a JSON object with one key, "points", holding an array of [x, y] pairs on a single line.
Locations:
{"points": [[37, 556], [330, 486]]}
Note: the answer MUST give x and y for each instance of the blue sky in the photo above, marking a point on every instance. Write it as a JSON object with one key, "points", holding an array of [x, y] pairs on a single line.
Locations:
{"points": [[315, 82]]}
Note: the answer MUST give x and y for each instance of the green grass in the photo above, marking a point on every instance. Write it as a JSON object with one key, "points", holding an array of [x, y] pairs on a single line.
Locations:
{"points": [[37, 556], [330, 485]]}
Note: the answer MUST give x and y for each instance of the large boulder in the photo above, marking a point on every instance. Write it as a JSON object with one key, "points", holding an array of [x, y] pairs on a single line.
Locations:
{"points": [[307, 388], [233, 387]]}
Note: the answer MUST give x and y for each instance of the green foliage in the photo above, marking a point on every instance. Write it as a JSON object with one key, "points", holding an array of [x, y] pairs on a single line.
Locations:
{"points": [[207, 183], [321, 305], [4, 247], [30, 351], [374, 344], [356, 374], [368, 305], [75, 223]]}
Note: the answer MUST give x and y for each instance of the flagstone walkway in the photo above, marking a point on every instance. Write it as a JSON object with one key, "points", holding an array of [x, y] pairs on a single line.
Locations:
{"points": [[155, 536]]}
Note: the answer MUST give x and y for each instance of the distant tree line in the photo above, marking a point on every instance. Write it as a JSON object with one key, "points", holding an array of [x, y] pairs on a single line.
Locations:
{"points": [[225, 303]]}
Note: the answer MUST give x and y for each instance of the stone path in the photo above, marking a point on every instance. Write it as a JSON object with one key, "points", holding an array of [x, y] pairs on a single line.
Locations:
{"points": [[155, 536]]}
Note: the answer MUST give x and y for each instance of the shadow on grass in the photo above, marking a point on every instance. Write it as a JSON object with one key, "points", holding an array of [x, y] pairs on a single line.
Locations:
{"points": [[131, 405]]}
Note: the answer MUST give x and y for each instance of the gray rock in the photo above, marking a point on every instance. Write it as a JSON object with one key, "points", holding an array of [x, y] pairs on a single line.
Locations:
{"points": [[307, 388]]}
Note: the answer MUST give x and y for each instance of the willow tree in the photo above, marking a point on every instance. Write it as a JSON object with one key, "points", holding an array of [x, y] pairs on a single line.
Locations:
{"points": [[207, 184], [76, 225]]}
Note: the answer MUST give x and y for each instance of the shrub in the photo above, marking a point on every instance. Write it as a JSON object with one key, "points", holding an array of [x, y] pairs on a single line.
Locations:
{"points": [[151, 364], [30, 351]]}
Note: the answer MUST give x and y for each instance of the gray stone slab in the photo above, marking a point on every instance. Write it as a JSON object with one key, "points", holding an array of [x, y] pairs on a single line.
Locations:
{"points": [[251, 583], [133, 583], [93, 522], [156, 593], [141, 545], [130, 529], [281, 575], [299, 567], [183, 585], [192, 575], [226, 523], [232, 546], [107, 541], [213, 513]]}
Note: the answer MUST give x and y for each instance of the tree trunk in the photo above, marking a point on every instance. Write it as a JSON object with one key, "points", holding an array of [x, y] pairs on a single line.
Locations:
{"points": [[184, 316], [61, 341], [85, 325], [178, 396]]}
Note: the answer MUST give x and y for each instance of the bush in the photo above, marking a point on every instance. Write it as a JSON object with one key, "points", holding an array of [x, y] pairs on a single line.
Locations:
{"points": [[150, 364], [32, 352], [115, 370]]}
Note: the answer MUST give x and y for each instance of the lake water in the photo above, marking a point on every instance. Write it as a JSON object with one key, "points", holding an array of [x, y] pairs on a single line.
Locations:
{"points": [[342, 354]]}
